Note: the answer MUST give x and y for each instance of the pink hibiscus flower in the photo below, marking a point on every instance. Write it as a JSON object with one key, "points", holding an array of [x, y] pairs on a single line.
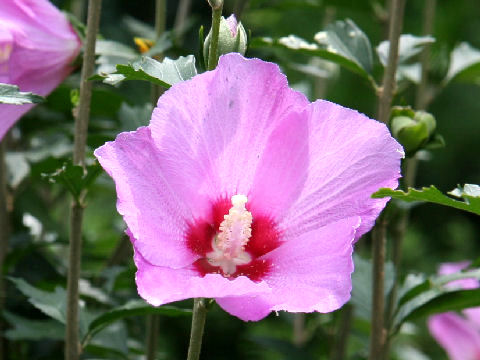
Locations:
{"points": [[243, 191], [458, 334], [37, 45]]}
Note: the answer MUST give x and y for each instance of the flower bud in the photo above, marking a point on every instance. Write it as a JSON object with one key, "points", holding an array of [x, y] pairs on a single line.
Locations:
{"points": [[231, 38], [409, 133], [413, 129], [428, 119]]}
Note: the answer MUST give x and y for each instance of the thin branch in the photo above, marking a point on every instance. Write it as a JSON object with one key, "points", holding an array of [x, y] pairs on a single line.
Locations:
{"points": [[410, 165], [72, 344], [388, 84], [198, 325], [181, 19], [299, 329], [156, 92], [378, 334], [217, 6], [152, 336], [4, 235], [423, 97], [341, 338], [239, 8]]}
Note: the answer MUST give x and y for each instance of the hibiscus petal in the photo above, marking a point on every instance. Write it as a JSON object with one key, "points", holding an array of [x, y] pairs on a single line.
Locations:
{"points": [[459, 337], [37, 46], [218, 126], [317, 265], [351, 156], [155, 208], [247, 308], [159, 285]]}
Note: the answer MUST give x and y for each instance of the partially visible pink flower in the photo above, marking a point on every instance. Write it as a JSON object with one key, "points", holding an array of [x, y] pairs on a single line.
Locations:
{"points": [[458, 334], [37, 45], [243, 191]]}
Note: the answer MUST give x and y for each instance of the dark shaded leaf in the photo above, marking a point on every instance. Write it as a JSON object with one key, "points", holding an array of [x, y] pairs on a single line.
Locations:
{"points": [[75, 178], [432, 296], [52, 304], [132, 308], [362, 285], [26, 329]]}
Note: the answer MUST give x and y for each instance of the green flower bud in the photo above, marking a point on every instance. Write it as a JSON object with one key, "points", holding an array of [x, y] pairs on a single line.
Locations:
{"points": [[411, 134], [231, 38], [428, 119]]}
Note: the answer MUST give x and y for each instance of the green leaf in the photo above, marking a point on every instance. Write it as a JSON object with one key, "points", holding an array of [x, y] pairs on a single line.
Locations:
{"points": [[165, 73], [10, 94], [434, 295], [75, 178], [132, 308], [362, 285], [433, 195], [52, 304], [469, 190], [409, 46], [132, 117], [464, 64], [110, 53], [342, 43], [346, 39], [26, 329]]}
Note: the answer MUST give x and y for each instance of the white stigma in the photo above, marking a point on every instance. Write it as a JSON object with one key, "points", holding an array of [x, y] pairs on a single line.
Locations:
{"points": [[235, 231]]}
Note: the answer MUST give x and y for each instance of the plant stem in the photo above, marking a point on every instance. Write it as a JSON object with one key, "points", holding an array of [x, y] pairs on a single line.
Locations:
{"points": [[388, 85], [217, 6], [423, 97], [378, 335], [180, 19], [152, 336], [160, 17], [77, 9], [156, 91], [160, 26], [239, 8], [72, 344], [198, 324], [299, 329], [343, 332], [4, 235], [410, 165]]}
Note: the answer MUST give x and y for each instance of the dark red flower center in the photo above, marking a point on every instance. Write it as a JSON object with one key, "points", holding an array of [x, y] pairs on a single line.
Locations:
{"points": [[206, 237]]}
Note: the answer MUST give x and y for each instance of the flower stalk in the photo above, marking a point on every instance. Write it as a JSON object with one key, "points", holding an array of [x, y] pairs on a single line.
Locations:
{"points": [[4, 234], [378, 335], [156, 92], [410, 165], [160, 26], [217, 6], [72, 345], [198, 325]]}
